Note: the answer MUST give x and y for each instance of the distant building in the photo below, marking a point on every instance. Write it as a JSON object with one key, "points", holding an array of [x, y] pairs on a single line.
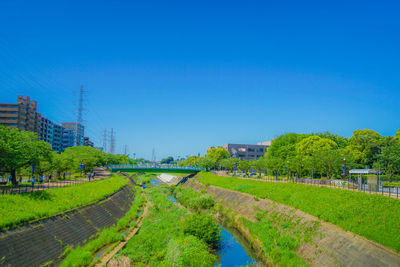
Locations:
{"points": [[68, 138], [22, 115], [46, 130], [79, 132], [243, 151], [87, 142]]}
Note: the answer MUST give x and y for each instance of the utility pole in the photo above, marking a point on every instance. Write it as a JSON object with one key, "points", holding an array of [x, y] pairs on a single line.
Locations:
{"points": [[126, 150]]}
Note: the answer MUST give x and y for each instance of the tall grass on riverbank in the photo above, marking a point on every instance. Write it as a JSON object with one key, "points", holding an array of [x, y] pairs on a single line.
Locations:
{"points": [[162, 241], [373, 216], [15, 209]]}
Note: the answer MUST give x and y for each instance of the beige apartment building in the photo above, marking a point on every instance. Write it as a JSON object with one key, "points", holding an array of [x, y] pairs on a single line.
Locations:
{"points": [[22, 115]]}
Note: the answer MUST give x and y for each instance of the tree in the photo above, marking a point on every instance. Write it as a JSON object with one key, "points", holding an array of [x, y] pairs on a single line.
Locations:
{"points": [[62, 163], [341, 141], [19, 149], [90, 157], [390, 160], [364, 146], [397, 136], [244, 165], [284, 146], [307, 149], [275, 164], [167, 160], [205, 163], [259, 164], [330, 161], [297, 165], [192, 161], [229, 163], [313, 144], [216, 154]]}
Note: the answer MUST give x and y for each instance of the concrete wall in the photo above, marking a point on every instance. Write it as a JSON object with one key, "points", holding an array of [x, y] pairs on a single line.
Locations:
{"points": [[43, 241]]}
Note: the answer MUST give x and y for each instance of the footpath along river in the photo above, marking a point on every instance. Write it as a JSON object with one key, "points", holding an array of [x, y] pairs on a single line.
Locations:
{"points": [[235, 250]]}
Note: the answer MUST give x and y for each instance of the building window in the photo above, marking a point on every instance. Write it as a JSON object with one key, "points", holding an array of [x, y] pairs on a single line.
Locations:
{"points": [[260, 150], [242, 149], [251, 150]]}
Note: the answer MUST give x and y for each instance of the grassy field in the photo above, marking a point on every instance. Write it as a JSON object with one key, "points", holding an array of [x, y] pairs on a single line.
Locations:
{"points": [[15, 209], [375, 217], [163, 240], [83, 256]]}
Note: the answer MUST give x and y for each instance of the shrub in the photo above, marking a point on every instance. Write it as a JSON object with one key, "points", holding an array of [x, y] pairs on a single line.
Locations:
{"points": [[188, 251], [203, 227]]}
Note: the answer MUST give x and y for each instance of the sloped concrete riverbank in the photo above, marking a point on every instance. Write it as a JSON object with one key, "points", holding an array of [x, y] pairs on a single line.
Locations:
{"points": [[43, 241], [330, 246]]}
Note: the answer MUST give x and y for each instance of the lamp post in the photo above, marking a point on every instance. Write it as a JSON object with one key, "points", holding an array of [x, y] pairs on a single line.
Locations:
{"points": [[287, 170], [344, 169]]}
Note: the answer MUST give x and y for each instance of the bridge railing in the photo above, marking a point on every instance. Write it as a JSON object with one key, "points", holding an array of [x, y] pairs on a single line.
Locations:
{"points": [[154, 166]]}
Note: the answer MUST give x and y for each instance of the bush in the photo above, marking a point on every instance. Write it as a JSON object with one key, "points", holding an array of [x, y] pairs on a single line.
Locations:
{"points": [[203, 227], [188, 251], [191, 199]]}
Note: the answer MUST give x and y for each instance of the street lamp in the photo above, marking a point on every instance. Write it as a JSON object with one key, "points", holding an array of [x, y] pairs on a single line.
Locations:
{"points": [[287, 170], [344, 169]]}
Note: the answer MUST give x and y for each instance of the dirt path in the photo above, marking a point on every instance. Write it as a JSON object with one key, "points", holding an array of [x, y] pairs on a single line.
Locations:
{"points": [[107, 258], [331, 246]]}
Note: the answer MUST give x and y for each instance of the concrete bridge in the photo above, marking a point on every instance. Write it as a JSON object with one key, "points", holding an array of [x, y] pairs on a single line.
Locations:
{"points": [[155, 168]]}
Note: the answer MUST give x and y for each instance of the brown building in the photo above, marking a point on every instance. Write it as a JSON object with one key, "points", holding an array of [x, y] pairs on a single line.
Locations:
{"points": [[22, 115]]}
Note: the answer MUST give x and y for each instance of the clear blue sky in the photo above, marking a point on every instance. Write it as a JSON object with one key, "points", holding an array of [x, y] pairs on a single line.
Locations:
{"points": [[179, 76]]}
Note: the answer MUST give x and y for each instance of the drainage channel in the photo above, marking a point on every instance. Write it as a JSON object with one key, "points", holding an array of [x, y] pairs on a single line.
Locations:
{"points": [[235, 250]]}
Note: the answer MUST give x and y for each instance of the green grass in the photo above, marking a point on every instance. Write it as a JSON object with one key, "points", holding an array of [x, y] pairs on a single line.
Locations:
{"points": [[391, 184], [375, 217], [192, 199], [83, 256], [161, 240], [15, 209]]}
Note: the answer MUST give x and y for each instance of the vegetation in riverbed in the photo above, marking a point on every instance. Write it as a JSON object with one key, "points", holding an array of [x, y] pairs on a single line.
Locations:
{"points": [[15, 209], [191, 199], [82, 256], [372, 216], [162, 240]]}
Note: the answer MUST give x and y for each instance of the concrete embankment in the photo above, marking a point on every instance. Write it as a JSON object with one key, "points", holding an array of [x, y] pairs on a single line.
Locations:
{"points": [[331, 245], [44, 241]]}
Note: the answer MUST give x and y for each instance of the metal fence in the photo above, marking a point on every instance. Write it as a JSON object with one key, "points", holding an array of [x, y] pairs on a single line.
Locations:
{"points": [[28, 188], [350, 184]]}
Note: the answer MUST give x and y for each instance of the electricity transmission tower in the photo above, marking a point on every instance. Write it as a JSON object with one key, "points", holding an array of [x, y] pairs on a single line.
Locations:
{"points": [[79, 118], [112, 141], [105, 138], [153, 155]]}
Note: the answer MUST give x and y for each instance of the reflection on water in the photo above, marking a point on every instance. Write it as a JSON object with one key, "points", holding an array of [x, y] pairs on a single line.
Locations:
{"points": [[232, 253], [155, 182]]}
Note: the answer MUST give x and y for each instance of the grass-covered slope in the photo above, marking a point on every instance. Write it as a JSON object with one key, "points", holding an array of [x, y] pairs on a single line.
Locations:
{"points": [[163, 239], [15, 209], [375, 217]]}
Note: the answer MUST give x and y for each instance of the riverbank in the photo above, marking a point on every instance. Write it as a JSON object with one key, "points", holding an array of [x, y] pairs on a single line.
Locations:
{"points": [[314, 241]]}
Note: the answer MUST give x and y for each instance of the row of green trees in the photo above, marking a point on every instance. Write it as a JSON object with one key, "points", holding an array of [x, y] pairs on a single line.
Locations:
{"points": [[319, 154], [23, 152]]}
